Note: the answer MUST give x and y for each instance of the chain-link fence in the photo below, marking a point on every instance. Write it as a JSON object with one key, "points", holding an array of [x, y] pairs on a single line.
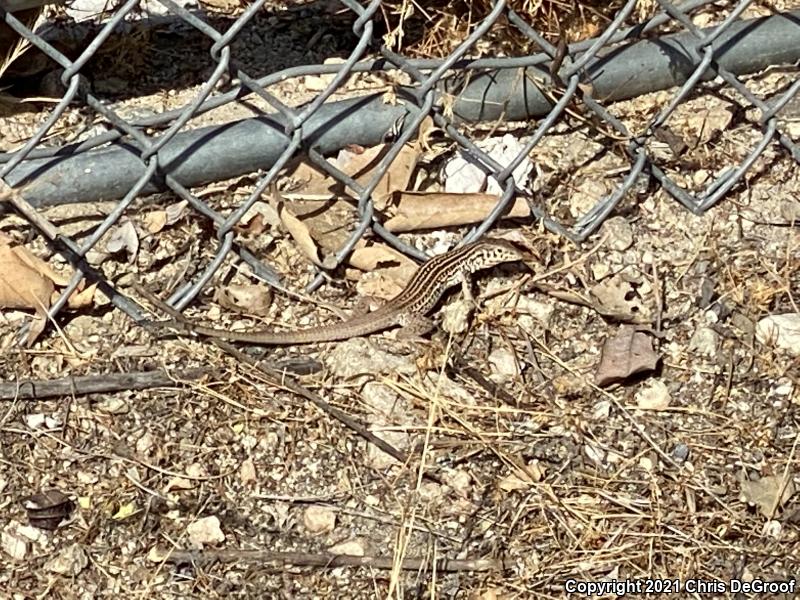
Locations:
{"points": [[635, 53]]}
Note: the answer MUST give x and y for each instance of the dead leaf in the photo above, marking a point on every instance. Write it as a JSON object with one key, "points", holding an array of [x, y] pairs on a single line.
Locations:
{"points": [[82, 299], [124, 237], [252, 299], [617, 297], [22, 283], [47, 509], [361, 167], [175, 211], [627, 353], [768, 493], [155, 221], [523, 477], [298, 230], [125, 511], [255, 226], [387, 261], [334, 202], [36, 263], [411, 211], [222, 6]]}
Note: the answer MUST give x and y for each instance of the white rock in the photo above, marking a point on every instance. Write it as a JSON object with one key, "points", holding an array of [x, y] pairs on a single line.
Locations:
{"points": [[317, 83], [30, 532], [460, 481], [600, 270], [356, 357], [654, 397], [247, 471], [34, 420], [540, 311], [772, 529], [455, 316], [620, 233], [383, 403], [145, 444], [113, 406], [704, 341], [13, 543], [350, 548], [377, 458], [319, 519], [205, 531], [782, 331], [504, 363], [462, 175], [602, 409]]}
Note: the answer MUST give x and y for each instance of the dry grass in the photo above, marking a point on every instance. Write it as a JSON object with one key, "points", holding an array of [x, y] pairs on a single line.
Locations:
{"points": [[440, 26]]}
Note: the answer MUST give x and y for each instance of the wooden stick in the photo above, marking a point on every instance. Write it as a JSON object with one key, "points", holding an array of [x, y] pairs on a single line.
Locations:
{"points": [[38, 389]]}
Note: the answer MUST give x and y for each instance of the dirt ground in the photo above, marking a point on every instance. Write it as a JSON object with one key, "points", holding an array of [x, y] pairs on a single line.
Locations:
{"points": [[622, 410]]}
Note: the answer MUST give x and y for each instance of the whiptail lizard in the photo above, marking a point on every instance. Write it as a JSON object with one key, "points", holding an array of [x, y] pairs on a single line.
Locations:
{"points": [[407, 309]]}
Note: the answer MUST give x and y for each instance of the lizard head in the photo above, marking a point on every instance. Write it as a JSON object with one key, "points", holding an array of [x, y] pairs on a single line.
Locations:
{"points": [[494, 251]]}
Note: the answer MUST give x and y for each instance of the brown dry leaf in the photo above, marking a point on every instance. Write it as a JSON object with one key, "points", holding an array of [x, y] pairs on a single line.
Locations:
{"points": [[359, 163], [252, 299], [175, 211], [426, 131], [34, 262], [155, 221], [627, 353], [766, 494], [361, 166], [398, 177], [522, 477], [389, 270], [311, 181], [22, 285], [255, 226], [323, 224], [616, 297], [82, 299], [298, 229], [412, 211]]}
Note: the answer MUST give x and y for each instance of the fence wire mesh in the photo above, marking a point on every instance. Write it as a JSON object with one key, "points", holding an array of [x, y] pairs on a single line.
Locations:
{"points": [[692, 50]]}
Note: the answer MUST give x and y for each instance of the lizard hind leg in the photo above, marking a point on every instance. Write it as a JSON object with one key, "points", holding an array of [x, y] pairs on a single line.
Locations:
{"points": [[414, 327]]}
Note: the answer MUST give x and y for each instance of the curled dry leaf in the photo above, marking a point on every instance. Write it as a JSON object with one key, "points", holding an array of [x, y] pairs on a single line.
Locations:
{"points": [[82, 299], [433, 210], [361, 167], [252, 299], [310, 225], [124, 237], [627, 353], [175, 211], [298, 229]]}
